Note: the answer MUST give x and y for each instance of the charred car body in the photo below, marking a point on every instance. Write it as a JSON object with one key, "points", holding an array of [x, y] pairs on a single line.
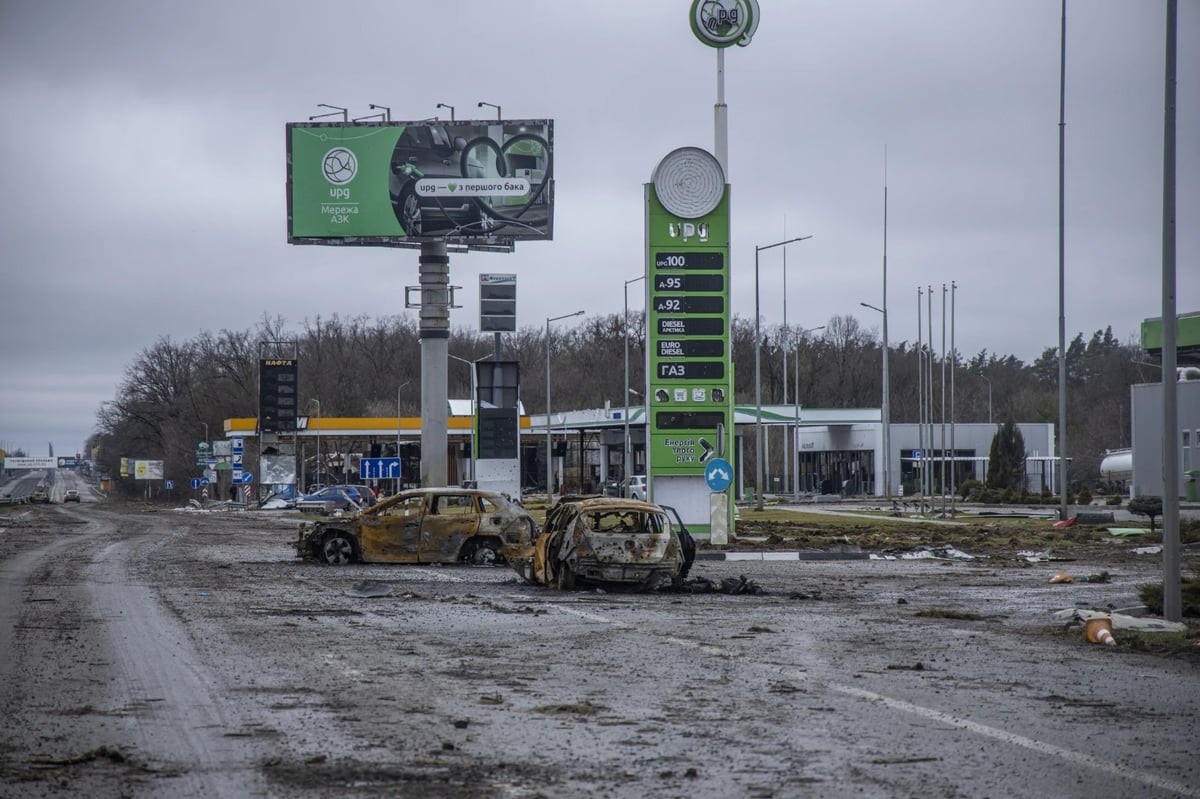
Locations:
{"points": [[606, 540], [425, 525]]}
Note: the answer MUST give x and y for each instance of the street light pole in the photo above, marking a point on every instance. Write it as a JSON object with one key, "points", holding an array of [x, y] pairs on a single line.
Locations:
{"points": [[796, 398], [625, 446], [887, 415], [989, 382], [317, 402], [490, 105], [758, 431], [549, 438], [474, 406]]}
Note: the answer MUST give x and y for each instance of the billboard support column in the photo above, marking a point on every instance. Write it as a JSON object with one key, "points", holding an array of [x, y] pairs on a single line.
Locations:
{"points": [[434, 278]]}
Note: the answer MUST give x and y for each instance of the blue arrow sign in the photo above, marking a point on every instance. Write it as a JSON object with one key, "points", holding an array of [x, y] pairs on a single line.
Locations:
{"points": [[718, 474], [168, 484], [195, 482], [378, 468], [247, 478]]}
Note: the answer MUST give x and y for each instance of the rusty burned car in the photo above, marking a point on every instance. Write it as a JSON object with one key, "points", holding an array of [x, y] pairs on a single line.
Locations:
{"points": [[606, 540], [424, 525]]}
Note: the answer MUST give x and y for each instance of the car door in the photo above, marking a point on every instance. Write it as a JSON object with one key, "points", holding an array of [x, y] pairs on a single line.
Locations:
{"points": [[391, 533], [451, 518]]}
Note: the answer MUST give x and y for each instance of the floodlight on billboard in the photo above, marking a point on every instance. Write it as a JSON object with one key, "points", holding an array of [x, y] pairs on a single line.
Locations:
{"points": [[396, 184]]}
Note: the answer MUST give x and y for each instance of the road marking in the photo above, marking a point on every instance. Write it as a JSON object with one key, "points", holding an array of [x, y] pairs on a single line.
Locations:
{"points": [[995, 733]]}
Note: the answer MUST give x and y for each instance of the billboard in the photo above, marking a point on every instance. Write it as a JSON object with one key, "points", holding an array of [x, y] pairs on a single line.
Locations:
{"points": [[482, 184]]}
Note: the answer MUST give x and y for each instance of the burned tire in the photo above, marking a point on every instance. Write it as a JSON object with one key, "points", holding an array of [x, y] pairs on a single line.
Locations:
{"points": [[564, 577], [486, 552], [337, 549]]}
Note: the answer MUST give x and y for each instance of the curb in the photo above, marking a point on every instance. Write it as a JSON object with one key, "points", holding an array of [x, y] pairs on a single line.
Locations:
{"points": [[808, 555]]}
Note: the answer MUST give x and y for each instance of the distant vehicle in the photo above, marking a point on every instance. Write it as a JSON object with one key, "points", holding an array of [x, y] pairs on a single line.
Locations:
{"points": [[599, 540], [71, 496], [337, 498], [636, 488], [424, 525], [39, 495]]}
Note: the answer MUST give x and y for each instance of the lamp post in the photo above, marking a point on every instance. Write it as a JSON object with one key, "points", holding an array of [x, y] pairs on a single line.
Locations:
{"points": [[402, 385], [443, 105], [989, 382], [549, 440], [758, 432], [471, 366], [317, 402], [481, 104], [625, 445], [887, 415], [795, 451]]}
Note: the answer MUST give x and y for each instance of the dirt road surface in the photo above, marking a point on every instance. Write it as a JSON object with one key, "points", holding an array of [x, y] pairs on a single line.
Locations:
{"points": [[164, 653]]}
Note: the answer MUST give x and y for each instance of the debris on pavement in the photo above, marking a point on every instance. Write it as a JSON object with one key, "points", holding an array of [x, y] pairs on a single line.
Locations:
{"points": [[1042, 557], [1126, 532], [1066, 523], [729, 585], [1151, 550], [1122, 621], [369, 589], [1061, 577]]}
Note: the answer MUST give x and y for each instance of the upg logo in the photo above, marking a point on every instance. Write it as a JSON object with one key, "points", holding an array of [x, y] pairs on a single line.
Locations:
{"points": [[339, 166]]}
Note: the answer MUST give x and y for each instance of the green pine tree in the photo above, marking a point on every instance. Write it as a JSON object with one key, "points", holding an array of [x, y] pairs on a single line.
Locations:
{"points": [[1006, 460]]}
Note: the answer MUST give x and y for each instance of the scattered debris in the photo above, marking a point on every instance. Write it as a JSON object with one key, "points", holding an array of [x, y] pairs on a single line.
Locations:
{"points": [[780, 687], [1066, 523], [1102, 577], [1042, 557], [109, 753], [757, 629], [1151, 550], [729, 585], [491, 699], [939, 553], [918, 666], [1122, 621], [462, 724], [369, 589], [1126, 532], [943, 613], [1061, 577], [901, 601], [584, 708]]}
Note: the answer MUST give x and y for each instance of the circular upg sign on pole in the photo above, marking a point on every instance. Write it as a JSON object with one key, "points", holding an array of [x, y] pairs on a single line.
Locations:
{"points": [[722, 23]]}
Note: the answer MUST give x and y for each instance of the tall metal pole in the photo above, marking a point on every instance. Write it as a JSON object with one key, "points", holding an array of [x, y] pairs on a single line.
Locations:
{"points": [[1062, 313], [436, 300], [549, 441], [953, 363], [319, 464], [919, 463], [929, 394], [942, 487], [721, 117], [758, 429], [786, 342], [625, 446], [1172, 591], [887, 409]]}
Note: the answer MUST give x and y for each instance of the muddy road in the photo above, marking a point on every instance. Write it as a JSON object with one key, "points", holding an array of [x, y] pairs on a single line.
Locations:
{"points": [[164, 653]]}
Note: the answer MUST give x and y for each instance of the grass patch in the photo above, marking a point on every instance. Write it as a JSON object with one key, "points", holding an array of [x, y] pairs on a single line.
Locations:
{"points": [[946, 613]]}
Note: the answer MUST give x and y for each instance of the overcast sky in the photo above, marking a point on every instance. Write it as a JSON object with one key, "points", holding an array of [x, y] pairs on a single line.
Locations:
{"points": [[143, 186]]}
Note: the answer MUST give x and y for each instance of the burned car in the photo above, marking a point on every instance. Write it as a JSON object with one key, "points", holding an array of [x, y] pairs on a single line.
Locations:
{"points": [[606, 540], [424, 525]]}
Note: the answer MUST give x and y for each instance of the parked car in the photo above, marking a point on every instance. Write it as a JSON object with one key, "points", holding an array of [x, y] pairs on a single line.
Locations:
{"points": [[635, 487], [606, 540], [424, 525], [337, 498], [71, 495]]}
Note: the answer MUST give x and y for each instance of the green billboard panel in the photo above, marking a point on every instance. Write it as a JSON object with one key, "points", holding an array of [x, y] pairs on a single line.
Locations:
{"points": [[483, 184], [688, 360]]}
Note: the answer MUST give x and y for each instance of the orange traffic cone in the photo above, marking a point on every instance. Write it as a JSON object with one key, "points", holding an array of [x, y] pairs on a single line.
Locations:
{"points": [[1099, 631]]}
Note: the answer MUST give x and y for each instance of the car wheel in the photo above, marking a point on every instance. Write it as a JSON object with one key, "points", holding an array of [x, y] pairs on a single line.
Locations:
{"points": [[485, 553], [410, 212], [564, 579], [337, 549]]}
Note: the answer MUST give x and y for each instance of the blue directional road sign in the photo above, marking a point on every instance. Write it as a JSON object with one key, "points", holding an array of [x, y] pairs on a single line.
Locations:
{"points": [[247, 478], [718, 474], [195, 482], [168, 484], [378, 468]]}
